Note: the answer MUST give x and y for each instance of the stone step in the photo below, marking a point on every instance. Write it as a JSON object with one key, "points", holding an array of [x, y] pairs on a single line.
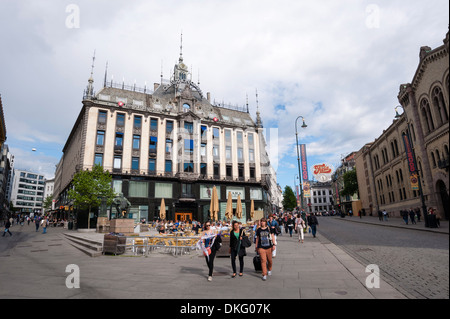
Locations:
{"points": [[89, 247]]}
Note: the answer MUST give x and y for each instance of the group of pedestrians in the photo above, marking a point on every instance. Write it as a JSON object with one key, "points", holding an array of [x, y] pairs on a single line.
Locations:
{"points": [[37, 220], [410, 214], [265, 241]]}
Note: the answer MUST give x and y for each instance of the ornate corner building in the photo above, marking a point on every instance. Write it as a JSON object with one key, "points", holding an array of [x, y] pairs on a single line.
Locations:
{"points": [[169, 143], [383, 166]]}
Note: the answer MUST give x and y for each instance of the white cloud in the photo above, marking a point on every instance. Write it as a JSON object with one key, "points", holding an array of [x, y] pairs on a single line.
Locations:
{"points": [[317, 59]]}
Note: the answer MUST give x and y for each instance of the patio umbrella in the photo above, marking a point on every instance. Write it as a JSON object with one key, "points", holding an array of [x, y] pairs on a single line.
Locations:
{"points": [[162, 210], [239, 207], [229, 210], [214, 205], [252, 209]]}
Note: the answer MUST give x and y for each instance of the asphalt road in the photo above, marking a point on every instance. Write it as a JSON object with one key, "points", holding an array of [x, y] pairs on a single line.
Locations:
{"points": [[415, 262]]}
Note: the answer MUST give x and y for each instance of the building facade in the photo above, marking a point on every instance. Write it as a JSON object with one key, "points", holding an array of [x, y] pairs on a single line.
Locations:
{"points": [[6, 169], [321, 199], [384, 167], [27, 193], [168, 143]]}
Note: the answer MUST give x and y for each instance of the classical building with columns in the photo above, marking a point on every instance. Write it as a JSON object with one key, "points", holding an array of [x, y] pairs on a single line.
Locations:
{"points": [[383, 166], [171, 143]]}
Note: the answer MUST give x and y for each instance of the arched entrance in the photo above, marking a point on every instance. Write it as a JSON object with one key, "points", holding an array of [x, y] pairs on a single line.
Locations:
{"points": [[444, 198]]}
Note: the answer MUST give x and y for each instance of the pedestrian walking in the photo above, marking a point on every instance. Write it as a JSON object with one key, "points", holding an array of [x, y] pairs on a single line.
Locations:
{"points": [[7, 226], [385, 215], [273, 224], [210, 244], [290, 225], [412, 216], [264, 246], [313, 222], [28, 220], [44, 224], [380, 215], [417, 211], [37, 222], [300, 225], [404, 215], [237, 249]]}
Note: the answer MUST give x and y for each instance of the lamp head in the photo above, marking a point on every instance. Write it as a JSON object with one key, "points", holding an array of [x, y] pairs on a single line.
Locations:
{"points": [[304, 124]]}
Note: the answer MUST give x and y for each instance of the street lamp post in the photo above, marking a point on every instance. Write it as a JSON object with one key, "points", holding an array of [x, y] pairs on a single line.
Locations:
{"points": [[422, 197], [298, 159]]}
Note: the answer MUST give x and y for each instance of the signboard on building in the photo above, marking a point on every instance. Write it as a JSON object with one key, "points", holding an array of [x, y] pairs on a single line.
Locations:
{"points": [[306, 190], [411, 162], [322, 172]]}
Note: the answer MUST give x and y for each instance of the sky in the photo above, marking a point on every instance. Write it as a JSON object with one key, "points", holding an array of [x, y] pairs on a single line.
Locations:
{"points": [[338, 64]]}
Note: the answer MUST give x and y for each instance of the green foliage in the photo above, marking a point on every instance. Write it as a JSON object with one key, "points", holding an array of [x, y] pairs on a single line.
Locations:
{"points": [[350, 183], [48, 202], [89, 187], [289, 199]]}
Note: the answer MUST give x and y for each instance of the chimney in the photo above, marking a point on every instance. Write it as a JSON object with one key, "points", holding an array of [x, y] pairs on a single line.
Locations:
{"points": [[208, 97], [155, 86]]}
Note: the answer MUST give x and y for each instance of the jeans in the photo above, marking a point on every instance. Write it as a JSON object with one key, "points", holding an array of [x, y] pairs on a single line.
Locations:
{"points": [[234, 254], [37, 227], [210, 261], [45, 230], [290, 230], [7, 231], [313, 230]]}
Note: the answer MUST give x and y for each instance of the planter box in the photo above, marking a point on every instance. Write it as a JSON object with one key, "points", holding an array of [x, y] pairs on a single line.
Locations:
{"points": [[111, 244]]}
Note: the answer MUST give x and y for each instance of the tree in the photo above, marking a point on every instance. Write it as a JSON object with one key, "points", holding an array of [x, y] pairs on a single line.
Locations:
{"points": [[350, 183], [48, 201], [89, 187], [289, 199]]}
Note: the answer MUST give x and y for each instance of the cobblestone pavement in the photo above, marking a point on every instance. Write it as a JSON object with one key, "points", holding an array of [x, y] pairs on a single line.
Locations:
{"points": [[415, 262]]}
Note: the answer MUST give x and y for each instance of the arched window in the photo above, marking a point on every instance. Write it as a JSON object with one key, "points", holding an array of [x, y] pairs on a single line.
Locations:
{"points": [[426, 114], [433, 159], [439, 106], [396, 147]]}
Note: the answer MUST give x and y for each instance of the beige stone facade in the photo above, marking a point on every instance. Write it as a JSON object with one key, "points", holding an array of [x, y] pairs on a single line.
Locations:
{"points": [[382, 166]]}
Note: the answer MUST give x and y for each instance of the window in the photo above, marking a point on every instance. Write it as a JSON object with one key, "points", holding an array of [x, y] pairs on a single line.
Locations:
{"points": [[188, 167], [152, 165], [216, 170], [137, 121], [163, 190], [251, 155], [168, 166], [216, 151], [136, 142], [153, 143], [153, 124], [189, 127], [241, 171], [215, 133], [120, 121], [98, 159], [169, 127], [250, 140], [186, 189], [119, 139], [186, 107], [102, 117], [240, 152], [239, 137], [117, 162], [203, 149], [100, 137], [188, 146], [135, 163], [252, 172], [117, 186], [227, 136], [228, 152], [169, 144], [138, 189], [203, 130], [229, 171], [203, 168]]}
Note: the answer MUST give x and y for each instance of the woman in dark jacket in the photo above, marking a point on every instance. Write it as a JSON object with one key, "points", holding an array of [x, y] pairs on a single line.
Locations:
{"points": [[236, 248]]}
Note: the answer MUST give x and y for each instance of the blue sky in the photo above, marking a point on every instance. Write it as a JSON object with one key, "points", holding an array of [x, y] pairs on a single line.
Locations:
{"points": [[337, 63]]}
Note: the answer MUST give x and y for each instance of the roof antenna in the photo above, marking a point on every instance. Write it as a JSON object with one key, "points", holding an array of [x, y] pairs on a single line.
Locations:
{"points": [[181, 48], [106, 72]]}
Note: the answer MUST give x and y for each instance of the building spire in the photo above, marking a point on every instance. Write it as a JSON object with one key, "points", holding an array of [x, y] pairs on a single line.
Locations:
{"points": [[181, 48], [90, 87], [258, 115], [106, 74]]}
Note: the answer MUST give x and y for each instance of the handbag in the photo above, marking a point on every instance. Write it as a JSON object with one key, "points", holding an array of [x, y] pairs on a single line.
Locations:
{"points": [[246, 242]]}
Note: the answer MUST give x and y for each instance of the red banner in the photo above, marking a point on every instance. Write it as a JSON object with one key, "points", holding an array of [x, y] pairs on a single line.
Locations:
{"points": [[304, 162]]}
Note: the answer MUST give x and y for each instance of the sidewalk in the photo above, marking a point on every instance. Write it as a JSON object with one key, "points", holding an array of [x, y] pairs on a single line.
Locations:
{"points": [[398, 223], [317, 269]]}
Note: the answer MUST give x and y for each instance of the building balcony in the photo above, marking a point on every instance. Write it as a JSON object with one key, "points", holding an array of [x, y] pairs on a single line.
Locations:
{"points": [[444, 163]]}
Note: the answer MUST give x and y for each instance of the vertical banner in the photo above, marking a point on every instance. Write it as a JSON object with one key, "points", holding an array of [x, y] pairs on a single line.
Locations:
{"points": [[306, 189], [304, 162], [411, 162], [338, 199], [298, 195]]}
